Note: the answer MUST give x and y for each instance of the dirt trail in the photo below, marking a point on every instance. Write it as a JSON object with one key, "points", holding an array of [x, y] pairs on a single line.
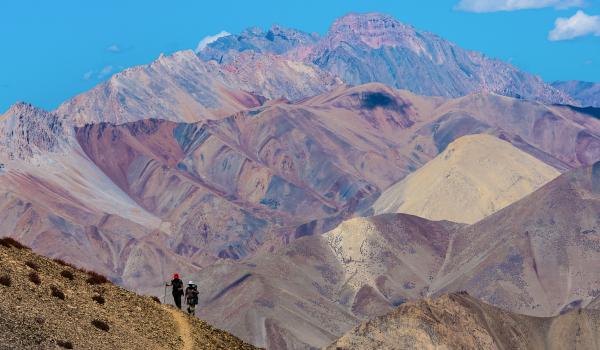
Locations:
{"points": [[183, 329]]}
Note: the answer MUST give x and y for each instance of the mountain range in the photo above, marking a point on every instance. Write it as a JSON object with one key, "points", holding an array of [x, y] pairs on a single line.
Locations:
{"points": [[310, 183], [534, 257], [364, 48]]}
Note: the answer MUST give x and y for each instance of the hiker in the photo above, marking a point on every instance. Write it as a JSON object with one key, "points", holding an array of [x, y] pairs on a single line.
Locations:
{"points": [[191, 297], [177, 289]]}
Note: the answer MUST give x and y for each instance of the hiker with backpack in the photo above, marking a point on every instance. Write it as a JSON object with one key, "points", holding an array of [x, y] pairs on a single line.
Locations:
{"points": [[177, 289], [191, 297]]}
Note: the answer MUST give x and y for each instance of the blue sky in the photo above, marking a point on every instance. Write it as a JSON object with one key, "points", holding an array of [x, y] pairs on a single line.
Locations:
{"points": [[52, 50]]}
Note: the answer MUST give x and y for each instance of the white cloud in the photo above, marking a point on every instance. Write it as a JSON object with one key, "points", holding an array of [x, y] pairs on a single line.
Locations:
{"points": [[513, 5], [105, 71], [580, 24], [211, 39], [88, 75], [114, 48]]}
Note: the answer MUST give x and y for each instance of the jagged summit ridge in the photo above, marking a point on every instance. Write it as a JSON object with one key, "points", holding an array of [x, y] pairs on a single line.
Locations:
{"points": [[277, 40], [181, 87], [373, 29], [375, 47], [28, 131]]}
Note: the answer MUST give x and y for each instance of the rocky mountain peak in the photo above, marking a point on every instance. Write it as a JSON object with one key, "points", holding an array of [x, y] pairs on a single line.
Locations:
{"points": [[277, 40], [365, 22], [27, 130], [373, 29]]}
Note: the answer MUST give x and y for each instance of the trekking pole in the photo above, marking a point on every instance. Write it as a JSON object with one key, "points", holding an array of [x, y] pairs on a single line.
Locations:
{"points": [[165, 295]]}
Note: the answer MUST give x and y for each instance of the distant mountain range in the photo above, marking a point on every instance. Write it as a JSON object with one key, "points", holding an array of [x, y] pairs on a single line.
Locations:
{"points": [[254, 166], [364, 48]]}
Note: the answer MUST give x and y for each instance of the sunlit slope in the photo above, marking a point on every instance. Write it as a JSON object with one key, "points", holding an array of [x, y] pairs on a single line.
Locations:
{"points": [[473, 177]]}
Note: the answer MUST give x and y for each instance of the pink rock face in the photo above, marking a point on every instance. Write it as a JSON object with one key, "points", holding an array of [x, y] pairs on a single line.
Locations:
{"points": [[375, 30]]}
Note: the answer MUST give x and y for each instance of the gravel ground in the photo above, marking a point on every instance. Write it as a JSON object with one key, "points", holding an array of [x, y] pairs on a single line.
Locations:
{"points": [[31, 318]]}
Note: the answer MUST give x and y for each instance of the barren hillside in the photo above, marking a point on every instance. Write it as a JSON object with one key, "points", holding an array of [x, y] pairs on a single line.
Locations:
{"points": [[47, 304], [475, 176], [459, 321]]}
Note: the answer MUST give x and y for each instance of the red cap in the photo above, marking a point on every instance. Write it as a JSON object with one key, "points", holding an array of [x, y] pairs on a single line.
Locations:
{"points": [[175, 275]]}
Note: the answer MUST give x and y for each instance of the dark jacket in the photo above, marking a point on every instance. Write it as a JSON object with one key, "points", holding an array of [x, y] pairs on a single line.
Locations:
{"points": [[177, 286]]}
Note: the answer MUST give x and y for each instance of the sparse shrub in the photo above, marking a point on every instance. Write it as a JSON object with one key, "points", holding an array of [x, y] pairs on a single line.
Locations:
{"points": [[5, 280], [40, 320], [11, 242], [57, 293], [35, 278], [101, 325], [96, 278], [99, 299], [32, 265], [64, 263], [65, 344], [67, 274], [156, 299]]}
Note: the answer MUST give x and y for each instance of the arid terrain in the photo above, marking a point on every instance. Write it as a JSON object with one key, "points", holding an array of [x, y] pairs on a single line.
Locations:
{"points": [[472, 178], [310, 184], [46, 304], [459, 321]]}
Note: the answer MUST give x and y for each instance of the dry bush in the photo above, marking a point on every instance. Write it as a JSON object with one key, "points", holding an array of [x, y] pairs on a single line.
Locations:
{"points": [[99, 299], [101, 325], [5, 280], [56, 292], [96, 278], [32, 265], [65, 344], [64, 263], [11, 242], [35, 278], [67, 274], [156, 299]]}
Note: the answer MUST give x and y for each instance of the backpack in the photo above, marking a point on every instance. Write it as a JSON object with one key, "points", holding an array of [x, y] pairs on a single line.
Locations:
{"points": [[193, 297]]}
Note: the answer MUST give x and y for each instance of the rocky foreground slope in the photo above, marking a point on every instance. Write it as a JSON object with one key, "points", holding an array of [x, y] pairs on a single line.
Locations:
{"points": [[459, 321], [47, 304], [475, 176]]}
